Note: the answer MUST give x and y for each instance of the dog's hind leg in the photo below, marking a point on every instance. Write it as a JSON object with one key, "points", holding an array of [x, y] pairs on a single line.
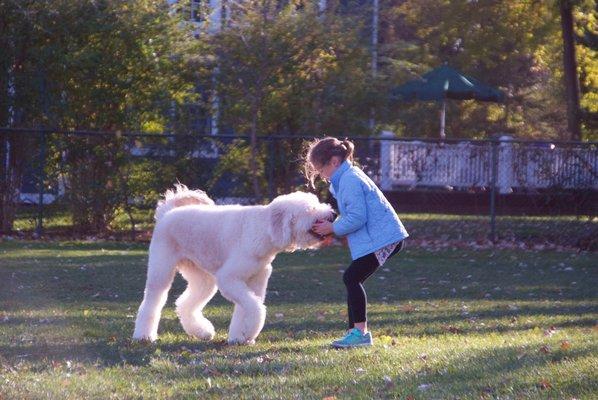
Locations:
{"points": [[160, 274], [201, 287]]}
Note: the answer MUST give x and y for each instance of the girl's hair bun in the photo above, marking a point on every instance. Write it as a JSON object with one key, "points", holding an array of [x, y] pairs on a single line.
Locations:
{"points": [[320, 151]]}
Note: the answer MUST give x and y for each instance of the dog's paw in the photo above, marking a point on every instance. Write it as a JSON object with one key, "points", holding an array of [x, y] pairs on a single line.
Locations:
{"points": [[144, 338], [203, 335], [200, 328], [241, 341]]}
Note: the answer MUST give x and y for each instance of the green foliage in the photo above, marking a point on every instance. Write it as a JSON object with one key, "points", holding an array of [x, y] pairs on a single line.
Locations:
{"points": [[234, 168], [135, 65], [516, 46], [297, 71], [104, 65]]}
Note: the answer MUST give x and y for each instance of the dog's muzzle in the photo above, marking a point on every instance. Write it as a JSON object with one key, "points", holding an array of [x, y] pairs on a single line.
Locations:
{"points": [[331, 218]]}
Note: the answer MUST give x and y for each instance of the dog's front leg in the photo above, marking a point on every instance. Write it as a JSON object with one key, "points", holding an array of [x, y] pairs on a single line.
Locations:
{"points": [[236, 326], [258, 284], [249, 314]]}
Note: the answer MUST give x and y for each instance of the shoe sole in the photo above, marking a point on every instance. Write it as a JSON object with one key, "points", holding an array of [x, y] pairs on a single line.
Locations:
{"points": [[342, 346]]}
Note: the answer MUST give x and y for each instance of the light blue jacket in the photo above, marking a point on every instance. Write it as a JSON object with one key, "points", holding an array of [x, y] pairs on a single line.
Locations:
{"points": [[365, 215]]}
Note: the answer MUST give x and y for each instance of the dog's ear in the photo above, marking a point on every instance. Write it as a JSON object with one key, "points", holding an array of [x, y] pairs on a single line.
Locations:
{"points": [[280, 226]]}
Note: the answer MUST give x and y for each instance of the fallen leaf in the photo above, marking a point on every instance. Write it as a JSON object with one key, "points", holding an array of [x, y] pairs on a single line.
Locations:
{"points": [[545, 349], [452, 329], [565, 345], [544, 384], [407, 308], [550, 331]]}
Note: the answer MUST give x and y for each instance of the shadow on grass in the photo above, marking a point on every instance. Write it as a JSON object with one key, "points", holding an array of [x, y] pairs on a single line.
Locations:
{"points": [[74, 283], [106, 340]]}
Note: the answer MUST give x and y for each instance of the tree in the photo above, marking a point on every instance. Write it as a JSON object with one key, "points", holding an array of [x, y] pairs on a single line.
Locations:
{"points": [[106, 65], [570, 69], [293, 71], [22, 80], [516, 46]]}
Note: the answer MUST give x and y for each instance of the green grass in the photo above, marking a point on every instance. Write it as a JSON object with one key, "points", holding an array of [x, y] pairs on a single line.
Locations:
{"points": [[447, 324], [556, 230]]}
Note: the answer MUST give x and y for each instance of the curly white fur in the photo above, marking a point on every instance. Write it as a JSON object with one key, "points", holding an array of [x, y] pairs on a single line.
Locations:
{"points": [[229, 248]]}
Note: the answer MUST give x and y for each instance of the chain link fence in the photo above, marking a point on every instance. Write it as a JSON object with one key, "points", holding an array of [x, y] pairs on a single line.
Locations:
{"points": [[449, 193]]}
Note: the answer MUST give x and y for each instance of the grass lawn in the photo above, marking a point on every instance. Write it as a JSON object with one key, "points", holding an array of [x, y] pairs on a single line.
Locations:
{"points": [[558, 230], [447, 324]]}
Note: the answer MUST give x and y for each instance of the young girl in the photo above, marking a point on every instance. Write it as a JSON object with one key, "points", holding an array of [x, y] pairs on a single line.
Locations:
{"points": [[373, 230]]}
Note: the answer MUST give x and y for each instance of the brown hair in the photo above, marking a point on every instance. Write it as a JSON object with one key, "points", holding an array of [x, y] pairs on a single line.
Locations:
{"points": [[319, 152]]}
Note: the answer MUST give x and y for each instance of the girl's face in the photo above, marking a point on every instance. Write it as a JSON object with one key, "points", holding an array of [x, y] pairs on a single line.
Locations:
{"points": [[327, 170]]}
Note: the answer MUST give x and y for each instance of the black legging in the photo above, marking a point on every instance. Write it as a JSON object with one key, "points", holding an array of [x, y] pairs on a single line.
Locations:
{"points": [[360, 270]]}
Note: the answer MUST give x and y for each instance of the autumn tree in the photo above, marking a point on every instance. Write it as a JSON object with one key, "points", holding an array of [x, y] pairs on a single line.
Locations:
{"points": [[104, 65], [291, 71]]}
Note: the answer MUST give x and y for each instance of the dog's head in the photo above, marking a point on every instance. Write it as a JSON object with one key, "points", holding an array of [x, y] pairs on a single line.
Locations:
{"points": [[292, 217]]}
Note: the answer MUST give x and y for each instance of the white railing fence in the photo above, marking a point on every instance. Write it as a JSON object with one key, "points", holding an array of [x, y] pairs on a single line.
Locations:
{"points": [[469, 164]]}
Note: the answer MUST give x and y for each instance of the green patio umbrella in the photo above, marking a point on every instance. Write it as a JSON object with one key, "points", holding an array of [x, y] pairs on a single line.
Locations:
{"points": [[445, 83]]}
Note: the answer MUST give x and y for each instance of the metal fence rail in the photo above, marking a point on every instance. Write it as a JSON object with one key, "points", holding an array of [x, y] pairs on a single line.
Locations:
{"points": [[116, 175]]}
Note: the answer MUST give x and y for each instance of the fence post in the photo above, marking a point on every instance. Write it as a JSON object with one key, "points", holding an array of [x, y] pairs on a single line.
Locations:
{"points": [[386, 160], [41, 177], [493, 179], [270, 168]]}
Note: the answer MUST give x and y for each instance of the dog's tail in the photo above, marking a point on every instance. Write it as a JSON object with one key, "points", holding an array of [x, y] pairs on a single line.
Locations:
{"points": [[181, 196]]}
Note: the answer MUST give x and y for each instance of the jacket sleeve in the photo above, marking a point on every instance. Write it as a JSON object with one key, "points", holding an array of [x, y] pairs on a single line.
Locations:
{"points": [[355, 212]]}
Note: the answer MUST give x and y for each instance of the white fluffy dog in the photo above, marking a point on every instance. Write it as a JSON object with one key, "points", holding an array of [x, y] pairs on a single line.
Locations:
{"points": [[230, 248]]}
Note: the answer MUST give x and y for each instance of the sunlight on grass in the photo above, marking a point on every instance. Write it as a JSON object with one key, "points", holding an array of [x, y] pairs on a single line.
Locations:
{"points": [[447, 324], [561, 230]]}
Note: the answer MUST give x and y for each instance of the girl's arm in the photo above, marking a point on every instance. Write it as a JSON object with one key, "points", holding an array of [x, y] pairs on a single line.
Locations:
{"points": [[355, 214]]}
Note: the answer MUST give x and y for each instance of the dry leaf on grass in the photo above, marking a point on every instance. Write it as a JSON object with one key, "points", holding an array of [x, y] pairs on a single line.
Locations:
{"points": [[565, 345]]}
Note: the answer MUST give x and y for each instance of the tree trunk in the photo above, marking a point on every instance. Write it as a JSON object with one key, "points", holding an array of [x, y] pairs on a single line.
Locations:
{"points": [[570, 70], [12, 168]]}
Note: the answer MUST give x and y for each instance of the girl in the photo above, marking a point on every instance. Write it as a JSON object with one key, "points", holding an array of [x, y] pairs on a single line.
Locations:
{"points": [[373, 230]]}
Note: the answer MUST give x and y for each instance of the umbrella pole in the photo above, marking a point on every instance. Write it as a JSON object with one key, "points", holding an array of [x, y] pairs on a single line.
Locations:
{"points": [[442, 119]]}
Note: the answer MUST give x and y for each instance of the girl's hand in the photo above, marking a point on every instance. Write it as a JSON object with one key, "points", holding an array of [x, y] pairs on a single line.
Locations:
{"points": [[323, 228]]}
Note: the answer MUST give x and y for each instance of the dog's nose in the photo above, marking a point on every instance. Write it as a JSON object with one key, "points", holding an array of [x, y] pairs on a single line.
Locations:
{"points": [[332, 216]]}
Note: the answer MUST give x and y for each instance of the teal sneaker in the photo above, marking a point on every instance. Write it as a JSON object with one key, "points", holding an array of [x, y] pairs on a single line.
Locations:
{"points": [[354, 339]]}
